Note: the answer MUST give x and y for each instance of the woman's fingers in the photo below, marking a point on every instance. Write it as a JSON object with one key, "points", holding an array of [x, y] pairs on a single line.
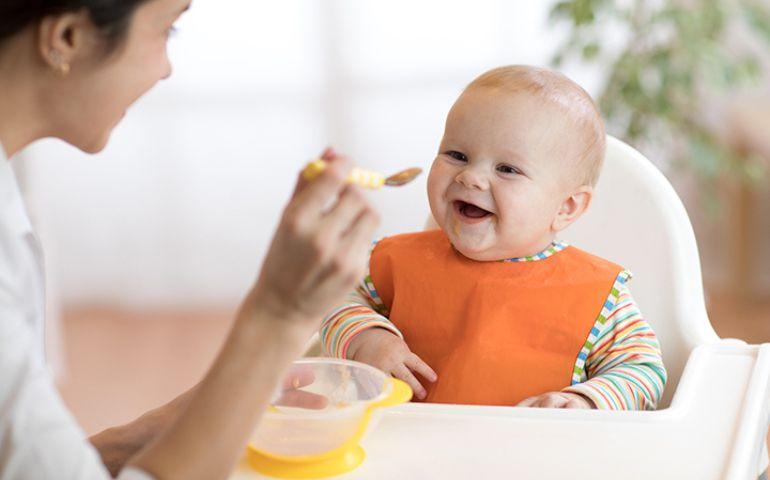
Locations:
{"points": [[340, 219], [358, 238], [329, 154], [314, 196], [298, 377], [302, 399], [416, 364], [320, 247], [403, 373], [349, 261]]}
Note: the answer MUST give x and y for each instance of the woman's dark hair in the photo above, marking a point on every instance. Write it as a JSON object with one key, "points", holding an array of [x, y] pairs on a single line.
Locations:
{"points": [[111, 17]]}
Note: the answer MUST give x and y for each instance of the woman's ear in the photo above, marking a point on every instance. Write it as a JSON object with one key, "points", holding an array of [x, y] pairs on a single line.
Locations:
{"points": [[62, 38], [572, 208]]}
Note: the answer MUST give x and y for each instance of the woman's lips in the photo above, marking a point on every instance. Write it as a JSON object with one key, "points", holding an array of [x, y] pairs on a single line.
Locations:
{"points": [[469, 213]]}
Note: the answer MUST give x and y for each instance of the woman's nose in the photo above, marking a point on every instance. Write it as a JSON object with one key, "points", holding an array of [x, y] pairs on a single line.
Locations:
{"points": [[473, 179]]}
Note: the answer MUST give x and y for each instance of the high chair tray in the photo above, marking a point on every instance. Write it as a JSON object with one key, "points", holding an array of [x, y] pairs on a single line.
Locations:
{"points": [[714, 429]]}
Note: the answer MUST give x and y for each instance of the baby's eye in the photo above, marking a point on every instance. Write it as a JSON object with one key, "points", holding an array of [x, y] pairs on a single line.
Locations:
{"points": [[508, 169], [457, 155]]}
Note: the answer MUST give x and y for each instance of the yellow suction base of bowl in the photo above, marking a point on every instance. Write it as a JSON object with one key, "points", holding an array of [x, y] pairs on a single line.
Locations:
{"points": [[337, 465]]}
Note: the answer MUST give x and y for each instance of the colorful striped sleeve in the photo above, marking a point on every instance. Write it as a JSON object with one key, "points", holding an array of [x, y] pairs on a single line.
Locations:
{"points": [[621, 366], [362, 310]]}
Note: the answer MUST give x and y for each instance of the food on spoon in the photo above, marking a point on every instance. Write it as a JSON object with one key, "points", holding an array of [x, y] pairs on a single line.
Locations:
{"points": [[357, 176]]}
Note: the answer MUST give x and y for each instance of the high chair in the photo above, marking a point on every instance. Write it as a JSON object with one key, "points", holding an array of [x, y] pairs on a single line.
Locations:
{"points": [[714, 415]]}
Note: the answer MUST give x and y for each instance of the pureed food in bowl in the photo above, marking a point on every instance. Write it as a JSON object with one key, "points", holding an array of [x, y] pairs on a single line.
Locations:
{"points": [[320, 406]]}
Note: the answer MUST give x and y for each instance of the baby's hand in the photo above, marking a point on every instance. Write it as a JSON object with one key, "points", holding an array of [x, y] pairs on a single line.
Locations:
{"points": [[386, 351], [557, 400]]}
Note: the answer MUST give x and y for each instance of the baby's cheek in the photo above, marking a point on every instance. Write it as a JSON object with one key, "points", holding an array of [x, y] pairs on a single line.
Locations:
{"points": [[519, 230], [506, 234], [437, 205]]}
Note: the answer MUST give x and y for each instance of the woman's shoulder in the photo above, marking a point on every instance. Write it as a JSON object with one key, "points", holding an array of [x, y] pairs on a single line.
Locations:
{"points": [[20, 263]]}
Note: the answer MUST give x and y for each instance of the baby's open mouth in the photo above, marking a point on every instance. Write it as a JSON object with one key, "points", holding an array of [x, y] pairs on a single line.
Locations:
{"points": [[469, 210]]}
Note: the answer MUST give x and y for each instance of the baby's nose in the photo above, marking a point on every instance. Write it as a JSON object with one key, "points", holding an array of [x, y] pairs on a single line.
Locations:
{"points": [[473, 179]]}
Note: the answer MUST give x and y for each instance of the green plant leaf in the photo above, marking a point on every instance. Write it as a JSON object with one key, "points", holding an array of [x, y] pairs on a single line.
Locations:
{"points": [[704, 156], [561, 11], [676, 51], [758, 17], [591, 51]]}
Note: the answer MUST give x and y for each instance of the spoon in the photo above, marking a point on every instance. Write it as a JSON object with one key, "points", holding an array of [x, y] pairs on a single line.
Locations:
{"points": [[365, 178]]}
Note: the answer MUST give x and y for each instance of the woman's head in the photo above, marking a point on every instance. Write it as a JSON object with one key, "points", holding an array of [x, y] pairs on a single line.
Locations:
{"points": [[111, 17], [81, 63]]}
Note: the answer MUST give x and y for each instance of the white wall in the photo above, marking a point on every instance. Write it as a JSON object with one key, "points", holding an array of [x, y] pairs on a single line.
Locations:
{"points": [[180, 207]]}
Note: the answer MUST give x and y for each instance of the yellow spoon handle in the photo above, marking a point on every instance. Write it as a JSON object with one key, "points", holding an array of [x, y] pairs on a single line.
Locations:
{"points": [[357, 176]]}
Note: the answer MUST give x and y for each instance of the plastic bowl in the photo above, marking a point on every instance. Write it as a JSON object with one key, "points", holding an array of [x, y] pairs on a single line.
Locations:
{"points": [[322, 406], [318, 416]]}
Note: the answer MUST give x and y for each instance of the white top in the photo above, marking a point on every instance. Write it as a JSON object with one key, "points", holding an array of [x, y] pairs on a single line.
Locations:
{"points": [[39, 438]]}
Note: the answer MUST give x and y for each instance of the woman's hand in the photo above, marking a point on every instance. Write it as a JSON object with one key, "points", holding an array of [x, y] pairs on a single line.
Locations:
{"points": [[318, 253], [382, 349], [319, 250], [292, 395]]}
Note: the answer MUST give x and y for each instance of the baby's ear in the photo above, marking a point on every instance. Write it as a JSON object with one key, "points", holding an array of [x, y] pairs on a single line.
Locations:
{"points": [[572, 208]]}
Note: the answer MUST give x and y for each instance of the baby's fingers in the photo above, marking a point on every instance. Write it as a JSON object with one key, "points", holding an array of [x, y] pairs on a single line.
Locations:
{"points": [[402, 372], [416, 364], [576, 400], [553, 400], [577, 403], [546, 400], [529, 402]]}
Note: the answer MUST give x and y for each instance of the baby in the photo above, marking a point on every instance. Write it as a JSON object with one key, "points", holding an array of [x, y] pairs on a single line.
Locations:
{"points": [[492, 309]]}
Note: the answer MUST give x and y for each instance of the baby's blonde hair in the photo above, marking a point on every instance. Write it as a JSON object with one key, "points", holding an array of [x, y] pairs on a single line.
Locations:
{"points": [[567, 95]]}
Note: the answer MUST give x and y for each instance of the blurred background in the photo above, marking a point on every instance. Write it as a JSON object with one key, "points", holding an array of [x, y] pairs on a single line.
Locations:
{"points": [[151, 244]]}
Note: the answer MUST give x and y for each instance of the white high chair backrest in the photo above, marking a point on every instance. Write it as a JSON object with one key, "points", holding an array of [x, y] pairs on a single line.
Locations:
{"points": [[638, 221]]}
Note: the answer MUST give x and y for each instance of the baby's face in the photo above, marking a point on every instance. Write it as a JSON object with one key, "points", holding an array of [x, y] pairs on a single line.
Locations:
{"points": [[499, 179]]}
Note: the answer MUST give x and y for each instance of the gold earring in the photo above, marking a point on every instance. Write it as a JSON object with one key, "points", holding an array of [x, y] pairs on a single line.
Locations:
{"points": [[62, 67]]}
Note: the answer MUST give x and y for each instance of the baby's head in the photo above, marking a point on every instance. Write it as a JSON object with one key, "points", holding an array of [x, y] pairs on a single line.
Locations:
{"points": [[522, 150]]}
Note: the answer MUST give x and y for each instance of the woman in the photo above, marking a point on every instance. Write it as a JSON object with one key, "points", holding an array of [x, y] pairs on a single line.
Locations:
{"points": [[70, 69]]}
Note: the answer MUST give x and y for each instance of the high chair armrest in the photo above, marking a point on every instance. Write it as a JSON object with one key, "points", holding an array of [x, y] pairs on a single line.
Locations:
{"points": [[713, 429]]}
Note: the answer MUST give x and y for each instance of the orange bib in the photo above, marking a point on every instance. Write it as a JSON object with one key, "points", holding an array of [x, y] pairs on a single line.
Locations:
{"points": [[494, 332]]}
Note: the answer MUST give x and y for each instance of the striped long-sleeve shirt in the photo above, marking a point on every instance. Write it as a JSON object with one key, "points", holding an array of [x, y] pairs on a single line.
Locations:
{"points": [[620, 366]]}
